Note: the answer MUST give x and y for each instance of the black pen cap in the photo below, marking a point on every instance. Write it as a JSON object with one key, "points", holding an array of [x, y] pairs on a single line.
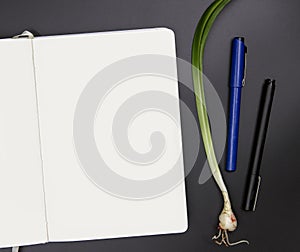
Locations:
{"points": [[254, 179]]}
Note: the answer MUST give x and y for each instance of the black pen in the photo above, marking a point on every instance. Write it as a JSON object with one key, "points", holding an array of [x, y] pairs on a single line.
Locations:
{"points": [[254, 178]]}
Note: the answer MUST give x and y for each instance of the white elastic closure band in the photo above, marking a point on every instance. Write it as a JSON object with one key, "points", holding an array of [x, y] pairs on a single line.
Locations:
{"points": [[24, 34], [15, 249]]}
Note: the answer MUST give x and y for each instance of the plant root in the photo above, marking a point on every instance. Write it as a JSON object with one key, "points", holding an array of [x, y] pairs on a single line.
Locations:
{"points": [[225, 239]]}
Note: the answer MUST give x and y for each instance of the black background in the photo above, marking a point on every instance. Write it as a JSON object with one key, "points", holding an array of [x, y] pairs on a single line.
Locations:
{"points": [[272, 31]]}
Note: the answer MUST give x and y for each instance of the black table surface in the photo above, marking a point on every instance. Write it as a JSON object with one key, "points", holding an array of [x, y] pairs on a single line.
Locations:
{"points": [[272, 32]]}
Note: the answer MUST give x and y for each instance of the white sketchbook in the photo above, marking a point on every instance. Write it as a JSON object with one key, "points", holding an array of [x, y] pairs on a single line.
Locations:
{"points": [[47, 192]]}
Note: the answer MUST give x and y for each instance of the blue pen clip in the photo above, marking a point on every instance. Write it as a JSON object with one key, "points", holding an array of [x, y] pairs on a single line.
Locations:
{"points": [[237, 81]]}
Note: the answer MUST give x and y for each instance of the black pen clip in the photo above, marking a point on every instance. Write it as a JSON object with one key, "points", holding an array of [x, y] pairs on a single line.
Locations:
{"points": [[257, 191], [252, 193]]}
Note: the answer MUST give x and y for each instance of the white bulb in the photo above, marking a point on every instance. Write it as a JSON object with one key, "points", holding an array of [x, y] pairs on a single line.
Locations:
{"points": [[227, 221]]}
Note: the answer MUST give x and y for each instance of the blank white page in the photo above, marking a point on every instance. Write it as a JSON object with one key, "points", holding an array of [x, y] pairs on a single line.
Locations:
{"points": [[77, 207], [22, 212]]}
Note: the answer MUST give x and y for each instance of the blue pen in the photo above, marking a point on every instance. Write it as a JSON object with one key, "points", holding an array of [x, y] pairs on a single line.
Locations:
{"points": [[237, 80]]}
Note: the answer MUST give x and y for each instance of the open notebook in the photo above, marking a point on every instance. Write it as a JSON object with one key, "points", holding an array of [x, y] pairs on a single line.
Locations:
{"points": [[45, 192]]}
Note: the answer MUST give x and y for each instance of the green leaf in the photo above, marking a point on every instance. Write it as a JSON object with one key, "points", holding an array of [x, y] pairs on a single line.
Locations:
{"points": [[204, 26]]}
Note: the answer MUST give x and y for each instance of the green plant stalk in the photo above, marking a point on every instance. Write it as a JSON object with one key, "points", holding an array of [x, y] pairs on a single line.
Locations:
{"points": [[227, 220], [199, 42]]}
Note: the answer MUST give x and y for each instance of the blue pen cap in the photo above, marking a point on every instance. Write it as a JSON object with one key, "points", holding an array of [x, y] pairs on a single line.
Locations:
{"points": [[237, 76], [238, 62]]}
